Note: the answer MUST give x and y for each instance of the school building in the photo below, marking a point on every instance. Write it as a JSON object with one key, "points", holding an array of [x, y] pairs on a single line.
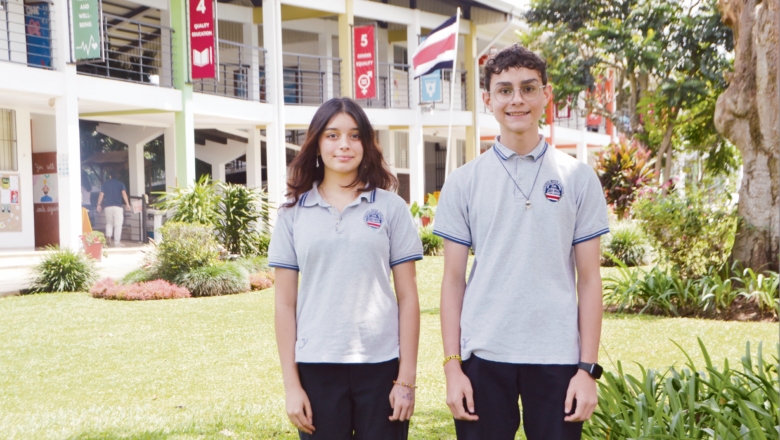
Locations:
{"points": [[64, 119]]}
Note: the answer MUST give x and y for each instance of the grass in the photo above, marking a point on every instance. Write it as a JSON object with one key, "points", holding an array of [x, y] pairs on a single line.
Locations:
{"points": [[81, 368]]}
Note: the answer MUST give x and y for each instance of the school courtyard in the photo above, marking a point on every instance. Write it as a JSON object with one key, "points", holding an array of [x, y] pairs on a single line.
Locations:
{"points": [[76, 367]]}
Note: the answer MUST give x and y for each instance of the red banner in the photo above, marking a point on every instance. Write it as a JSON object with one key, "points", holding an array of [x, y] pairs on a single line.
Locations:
{"points": [[202, 38], [365, 62]]}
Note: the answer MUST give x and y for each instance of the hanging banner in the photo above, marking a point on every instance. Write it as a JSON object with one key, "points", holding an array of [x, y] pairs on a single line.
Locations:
{"points": [[431, 87], [202, 39], [365, 62], [86, 32]]}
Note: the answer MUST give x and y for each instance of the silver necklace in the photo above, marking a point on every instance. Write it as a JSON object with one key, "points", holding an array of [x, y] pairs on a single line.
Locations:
{"points": [[527, 197]]}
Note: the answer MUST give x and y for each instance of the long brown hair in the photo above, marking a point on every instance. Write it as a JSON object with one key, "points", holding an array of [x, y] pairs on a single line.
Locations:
{"points": [[372, 171]]}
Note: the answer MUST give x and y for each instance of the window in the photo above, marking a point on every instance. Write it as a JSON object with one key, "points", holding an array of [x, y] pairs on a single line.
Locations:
{"points": [[401, 149], [8, 160]]}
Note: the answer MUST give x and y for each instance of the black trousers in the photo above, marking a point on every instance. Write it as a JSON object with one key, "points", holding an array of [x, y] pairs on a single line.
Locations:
{"points": [[351, 401], [497, 385]]}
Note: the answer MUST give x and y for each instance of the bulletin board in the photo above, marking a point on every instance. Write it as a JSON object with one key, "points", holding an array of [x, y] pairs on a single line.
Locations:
{"points": [[10, 203]]}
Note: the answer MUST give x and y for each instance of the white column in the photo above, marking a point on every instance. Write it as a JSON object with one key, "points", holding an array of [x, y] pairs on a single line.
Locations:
{"points": [[166, 78], [275, 145], [387, 143], [218, 171], [582, 146], [326, 50], [169, 139], [416, 145], [26, 238], [135, 153], [254, 163], [253, 59]]}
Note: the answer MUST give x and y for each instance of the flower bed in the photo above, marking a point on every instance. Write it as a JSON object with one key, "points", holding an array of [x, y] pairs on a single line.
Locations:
{"points": [[158, 289]]}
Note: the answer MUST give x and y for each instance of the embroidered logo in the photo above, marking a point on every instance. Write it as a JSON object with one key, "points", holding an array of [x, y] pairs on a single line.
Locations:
{"points": [[302, 343], [373, 219], [553, 190]]}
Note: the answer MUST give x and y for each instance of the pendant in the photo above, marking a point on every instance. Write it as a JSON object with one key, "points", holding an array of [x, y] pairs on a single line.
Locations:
{"points": [[527, 204]]}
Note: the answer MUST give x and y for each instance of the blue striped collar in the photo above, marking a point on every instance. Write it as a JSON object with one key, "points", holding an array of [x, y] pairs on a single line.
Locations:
{"points": [[505, 153], [313, 197]]}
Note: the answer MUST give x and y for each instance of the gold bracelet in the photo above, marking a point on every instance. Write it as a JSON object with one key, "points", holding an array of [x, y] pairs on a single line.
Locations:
{"points": [[407, 385], [449, 358]]}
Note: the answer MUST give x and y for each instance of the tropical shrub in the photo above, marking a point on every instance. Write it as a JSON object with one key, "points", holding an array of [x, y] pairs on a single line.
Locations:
{"points": [[64, 270], [625, 242], [253, 264], [623, 169], [240, 219], [157, 289], [432, 243], [238, 215], [184, 247], [261, 280], [693, 230], [428, 209], [690, 402], [759, 288], [216, 280]]}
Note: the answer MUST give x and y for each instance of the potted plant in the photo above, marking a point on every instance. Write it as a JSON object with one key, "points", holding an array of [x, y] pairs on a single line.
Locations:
{"points": [[95, 245], [427, 211]]}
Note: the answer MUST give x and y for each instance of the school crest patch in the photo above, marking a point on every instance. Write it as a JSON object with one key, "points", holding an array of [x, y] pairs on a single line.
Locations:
{"points": [[373, 219], [553, 190]]}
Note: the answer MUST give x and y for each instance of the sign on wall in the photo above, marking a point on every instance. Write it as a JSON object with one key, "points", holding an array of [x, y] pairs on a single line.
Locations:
{"points": [[86, 31], [202, 39], [365, 62], [38, 31], [431, 87], [10, 204]]}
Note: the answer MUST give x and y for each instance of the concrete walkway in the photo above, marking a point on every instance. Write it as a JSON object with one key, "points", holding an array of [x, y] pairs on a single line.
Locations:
{"points": [[16, 266]]}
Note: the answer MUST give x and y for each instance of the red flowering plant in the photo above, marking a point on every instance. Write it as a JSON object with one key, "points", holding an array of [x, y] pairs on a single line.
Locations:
{"points": [[150, 290], [624, 169], [261, 280]]}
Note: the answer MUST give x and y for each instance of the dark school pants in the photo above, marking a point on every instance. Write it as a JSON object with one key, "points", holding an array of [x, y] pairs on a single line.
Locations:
{"points": [[542, 389], [352, 401]]}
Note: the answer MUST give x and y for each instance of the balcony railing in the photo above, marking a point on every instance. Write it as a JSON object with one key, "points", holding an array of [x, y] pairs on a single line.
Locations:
{"points": [[241, 73], [310, 80], [460, 91], [577, 122], [135, 51], [27, 34], [392, 87]]}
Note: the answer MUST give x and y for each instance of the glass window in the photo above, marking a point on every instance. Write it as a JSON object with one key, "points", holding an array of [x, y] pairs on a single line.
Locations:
{"points": [[8, 160], [401, 149]]}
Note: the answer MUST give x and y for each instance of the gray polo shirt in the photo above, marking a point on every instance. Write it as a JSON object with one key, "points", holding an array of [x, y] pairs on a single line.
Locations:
{"points": [[347, 311], [520, 304]]}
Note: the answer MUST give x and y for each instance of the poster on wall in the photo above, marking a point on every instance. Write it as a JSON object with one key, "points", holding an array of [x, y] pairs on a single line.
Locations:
{"points": [[202, 39], [431, 87], [365, 65], [45, 199], [38, 32], [10, 204], [86, 32]]}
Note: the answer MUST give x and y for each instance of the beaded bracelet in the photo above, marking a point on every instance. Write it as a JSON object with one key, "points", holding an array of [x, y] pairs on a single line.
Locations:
{"points": [[454, 356], [407, 385]]}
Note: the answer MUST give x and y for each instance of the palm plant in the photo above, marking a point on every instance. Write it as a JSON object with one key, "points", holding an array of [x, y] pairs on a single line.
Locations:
{"points": [[241, 219], [623, 169], [193, 204]]}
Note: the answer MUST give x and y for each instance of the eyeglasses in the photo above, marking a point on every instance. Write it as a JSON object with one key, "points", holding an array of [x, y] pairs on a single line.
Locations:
{"points": [[505, 94]]}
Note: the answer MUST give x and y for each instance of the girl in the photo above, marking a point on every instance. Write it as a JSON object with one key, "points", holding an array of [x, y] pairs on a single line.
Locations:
{"points": [[347, 343]]}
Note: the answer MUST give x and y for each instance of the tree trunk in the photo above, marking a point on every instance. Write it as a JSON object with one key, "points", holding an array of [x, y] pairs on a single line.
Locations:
{"points": [[666, 147], [747, 115], [633, 101]]}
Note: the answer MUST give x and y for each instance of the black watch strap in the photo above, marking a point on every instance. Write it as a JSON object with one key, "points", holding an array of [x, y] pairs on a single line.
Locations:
{"points": [[595, 370]]}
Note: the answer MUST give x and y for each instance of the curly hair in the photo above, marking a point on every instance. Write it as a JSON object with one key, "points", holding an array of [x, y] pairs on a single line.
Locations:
{"points": [[514, 56]]}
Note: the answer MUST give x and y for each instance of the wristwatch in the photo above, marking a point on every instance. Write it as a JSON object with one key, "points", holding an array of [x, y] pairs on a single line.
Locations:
{"points": [[594, 370]]}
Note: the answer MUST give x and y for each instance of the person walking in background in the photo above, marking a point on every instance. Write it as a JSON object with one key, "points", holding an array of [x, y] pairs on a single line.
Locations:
{"points": [[112, 193], [347, 343]]}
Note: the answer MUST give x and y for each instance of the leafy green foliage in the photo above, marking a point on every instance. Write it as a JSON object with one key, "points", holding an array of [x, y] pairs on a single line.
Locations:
{"points": [[625, 242], [692, 230], [760, 288], [239, 215], [426, 210], [64, 270], [624, 168], [690, 403], [140, 275], [216, 280], [432, 243], [240, 219], [193, 204], [184, 247]]}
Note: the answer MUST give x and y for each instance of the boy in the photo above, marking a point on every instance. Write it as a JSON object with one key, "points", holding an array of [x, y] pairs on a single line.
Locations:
{"points": [[532, 214]]}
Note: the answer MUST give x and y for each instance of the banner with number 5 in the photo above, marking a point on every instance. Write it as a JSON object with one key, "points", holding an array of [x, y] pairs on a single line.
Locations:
{"points": [[365, 62], [202, 39]]}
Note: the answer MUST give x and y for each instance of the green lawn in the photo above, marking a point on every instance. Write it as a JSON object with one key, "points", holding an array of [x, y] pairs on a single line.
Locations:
{"points": [[76, 367]]}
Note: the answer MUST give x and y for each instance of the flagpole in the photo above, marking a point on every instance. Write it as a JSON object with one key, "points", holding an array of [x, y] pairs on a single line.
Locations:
{"points": [[452, 96]]}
